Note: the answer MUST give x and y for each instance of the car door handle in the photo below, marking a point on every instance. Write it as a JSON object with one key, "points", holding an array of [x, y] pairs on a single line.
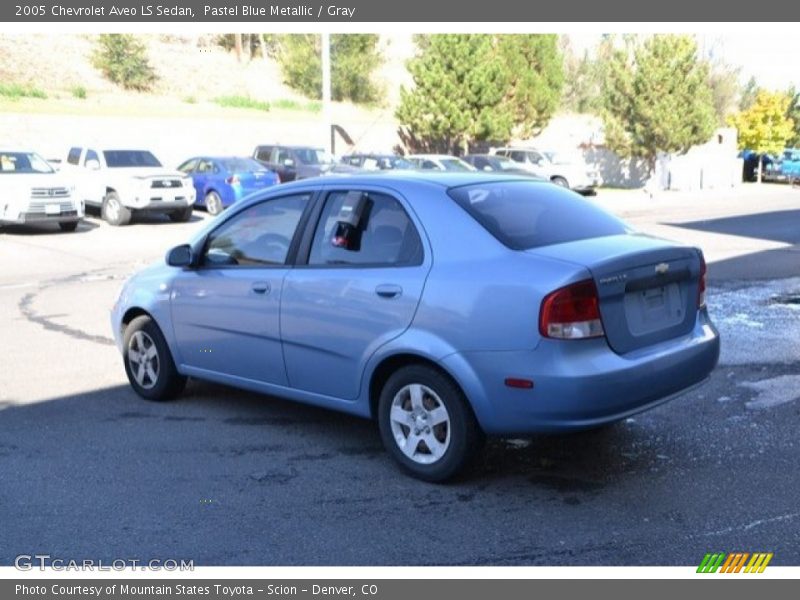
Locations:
{"points": [[388, 290], [260, 287]]}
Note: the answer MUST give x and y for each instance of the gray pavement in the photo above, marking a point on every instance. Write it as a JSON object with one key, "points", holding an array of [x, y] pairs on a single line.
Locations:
{"points": [[220, 476]]}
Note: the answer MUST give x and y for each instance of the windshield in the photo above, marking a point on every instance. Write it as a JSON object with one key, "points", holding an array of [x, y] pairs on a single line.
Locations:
{"points": [[130, 158], [501, 163], [524, 215], [23, 162], [454, 164], [310, 156], [241, 165]]}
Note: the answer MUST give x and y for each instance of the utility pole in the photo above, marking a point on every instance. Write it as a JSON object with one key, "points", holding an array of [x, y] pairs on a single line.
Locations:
{"points": [[326, 93]]}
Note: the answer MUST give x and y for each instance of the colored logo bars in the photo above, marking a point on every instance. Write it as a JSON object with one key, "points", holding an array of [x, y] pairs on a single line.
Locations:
{"points": [[735, 562]]}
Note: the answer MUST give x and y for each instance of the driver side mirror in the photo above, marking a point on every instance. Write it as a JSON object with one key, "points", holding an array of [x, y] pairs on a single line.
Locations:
{"points": [[92, 164], [288, 162], [180, 256]]}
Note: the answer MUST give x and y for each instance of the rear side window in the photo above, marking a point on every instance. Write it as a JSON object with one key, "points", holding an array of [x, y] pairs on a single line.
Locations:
{"points": [[74, 156], [524, 215], [365, 228]]}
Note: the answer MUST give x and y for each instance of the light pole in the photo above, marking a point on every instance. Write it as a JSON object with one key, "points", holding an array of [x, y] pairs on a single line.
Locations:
{"points": [[326, 93]]}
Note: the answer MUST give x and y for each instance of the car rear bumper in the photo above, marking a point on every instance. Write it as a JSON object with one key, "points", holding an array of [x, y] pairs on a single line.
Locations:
{"points": [[581, 384]]}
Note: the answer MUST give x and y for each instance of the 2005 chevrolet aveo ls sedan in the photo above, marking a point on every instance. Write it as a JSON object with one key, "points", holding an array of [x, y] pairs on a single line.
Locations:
{"points": [[446, 306]]}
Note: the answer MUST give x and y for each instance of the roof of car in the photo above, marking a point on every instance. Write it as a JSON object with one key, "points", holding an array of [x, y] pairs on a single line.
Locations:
{"points": [[434, 156], [446, 179]]}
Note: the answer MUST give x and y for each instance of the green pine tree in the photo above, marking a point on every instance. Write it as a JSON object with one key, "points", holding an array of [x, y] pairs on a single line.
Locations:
{"points": [[477, 87], [657, 97]]}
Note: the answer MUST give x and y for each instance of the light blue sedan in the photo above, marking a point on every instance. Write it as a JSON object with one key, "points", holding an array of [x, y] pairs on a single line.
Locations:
{"points": [[446, 306]]}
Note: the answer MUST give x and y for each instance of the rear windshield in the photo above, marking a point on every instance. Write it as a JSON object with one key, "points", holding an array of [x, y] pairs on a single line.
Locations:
{"points": [[524, 214], [242, 165], [130, 158]]}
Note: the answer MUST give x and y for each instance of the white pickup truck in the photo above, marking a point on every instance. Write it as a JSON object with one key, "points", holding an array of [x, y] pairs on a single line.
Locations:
{"points": [[32, 192], [122, 182]]}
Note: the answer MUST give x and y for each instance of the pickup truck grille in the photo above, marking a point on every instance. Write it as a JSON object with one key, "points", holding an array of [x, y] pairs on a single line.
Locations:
{"points": [[165, 183], [49, 192], [39, 207]]}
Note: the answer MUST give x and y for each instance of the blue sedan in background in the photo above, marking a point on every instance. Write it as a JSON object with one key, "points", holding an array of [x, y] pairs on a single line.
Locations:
{"points": [[223, 180], [446, 306]]}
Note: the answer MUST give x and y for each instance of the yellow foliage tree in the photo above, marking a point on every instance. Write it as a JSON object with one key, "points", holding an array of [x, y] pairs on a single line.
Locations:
{"points": [[764, 128]]}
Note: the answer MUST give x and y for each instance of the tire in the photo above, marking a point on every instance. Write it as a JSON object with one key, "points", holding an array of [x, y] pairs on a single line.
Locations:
{"points": [[154, 378], [456, 440], [113, 212], [181, 215], [213, 203], [68, 226], [560, 181]]}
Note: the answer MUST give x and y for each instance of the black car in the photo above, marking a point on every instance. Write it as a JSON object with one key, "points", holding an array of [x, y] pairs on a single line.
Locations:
{"points": [[297, 162], [373, 162], [494, 163]]}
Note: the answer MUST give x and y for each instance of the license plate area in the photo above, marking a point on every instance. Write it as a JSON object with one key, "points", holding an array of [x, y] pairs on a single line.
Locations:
{"points": [[52, 209], [655, 308]]}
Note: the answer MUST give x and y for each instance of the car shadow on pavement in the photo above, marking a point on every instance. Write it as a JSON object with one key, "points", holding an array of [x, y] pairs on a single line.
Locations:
{"points": [[40, 229], [778, 226]]}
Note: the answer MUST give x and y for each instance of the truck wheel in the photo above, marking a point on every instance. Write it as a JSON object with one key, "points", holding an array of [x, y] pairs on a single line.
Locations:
{"points": [[68, 225], [113, 212], [213, 203], [426, 423], [182, 215], [560, 181]]}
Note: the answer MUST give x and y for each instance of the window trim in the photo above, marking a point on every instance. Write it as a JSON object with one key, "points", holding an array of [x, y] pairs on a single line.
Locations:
{"points": [[323, 194], [294, 243]]}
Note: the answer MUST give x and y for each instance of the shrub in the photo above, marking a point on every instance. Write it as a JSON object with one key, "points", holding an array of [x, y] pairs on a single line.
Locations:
{"points": [[122, 58], [79, 92]]}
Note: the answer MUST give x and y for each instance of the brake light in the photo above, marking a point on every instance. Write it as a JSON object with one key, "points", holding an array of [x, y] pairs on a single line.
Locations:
{"points": [[572, 312], [701, 286], [232, 180]]}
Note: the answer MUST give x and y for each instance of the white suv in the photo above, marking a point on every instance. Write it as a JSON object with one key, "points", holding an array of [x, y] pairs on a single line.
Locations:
{"points": [[32, 192], [121, 182], [555, 166]]}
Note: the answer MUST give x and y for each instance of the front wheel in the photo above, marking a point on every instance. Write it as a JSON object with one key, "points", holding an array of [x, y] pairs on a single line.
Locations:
{"points": [[182, 215], [560, 181], [148, 361], [113, 211], [213, 203], [426, 423]]}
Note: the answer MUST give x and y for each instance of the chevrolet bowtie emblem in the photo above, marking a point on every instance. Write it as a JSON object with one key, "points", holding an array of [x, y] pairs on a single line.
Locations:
{"points": [[662, 268]]}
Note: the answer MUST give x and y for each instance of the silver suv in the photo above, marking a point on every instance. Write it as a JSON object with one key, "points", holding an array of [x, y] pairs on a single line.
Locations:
{"points": [[555, 166]]}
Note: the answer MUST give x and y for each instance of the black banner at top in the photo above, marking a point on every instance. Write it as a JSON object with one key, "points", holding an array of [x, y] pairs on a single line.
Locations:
{"points": [[443, 11]]}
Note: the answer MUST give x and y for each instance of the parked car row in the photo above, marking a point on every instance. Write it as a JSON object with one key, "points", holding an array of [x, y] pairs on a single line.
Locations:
{"points": [[120, 182]]}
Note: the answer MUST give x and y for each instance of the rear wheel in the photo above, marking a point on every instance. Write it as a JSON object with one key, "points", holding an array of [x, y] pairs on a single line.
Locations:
{"points": [[113, 212], [148, 362], [426, 423], [68, 226], [560, 181], [213, 203], [182, 215]]}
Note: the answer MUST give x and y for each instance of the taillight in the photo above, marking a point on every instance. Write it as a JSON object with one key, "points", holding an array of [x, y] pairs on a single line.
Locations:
{"points": [[232, 180], [572, 312], [701, 286]]}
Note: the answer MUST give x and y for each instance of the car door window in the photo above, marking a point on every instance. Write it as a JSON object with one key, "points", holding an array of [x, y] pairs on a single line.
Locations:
{"points": [[382, 236], [188, 166], [263, 153], [517, 156], [90, 155], [205, 166], [282, 155], [535, 158], [258, 236]]}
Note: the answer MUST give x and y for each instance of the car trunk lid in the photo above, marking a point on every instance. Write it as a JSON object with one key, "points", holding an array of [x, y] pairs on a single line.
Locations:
{"points": [[647, 288]]}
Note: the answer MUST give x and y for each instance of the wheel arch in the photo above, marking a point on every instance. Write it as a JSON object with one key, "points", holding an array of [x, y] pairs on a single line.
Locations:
{"points": [[390, 365]]}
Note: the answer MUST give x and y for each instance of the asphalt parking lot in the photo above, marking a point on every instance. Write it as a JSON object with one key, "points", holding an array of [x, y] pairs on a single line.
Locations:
{"points": [[220, 476]]}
